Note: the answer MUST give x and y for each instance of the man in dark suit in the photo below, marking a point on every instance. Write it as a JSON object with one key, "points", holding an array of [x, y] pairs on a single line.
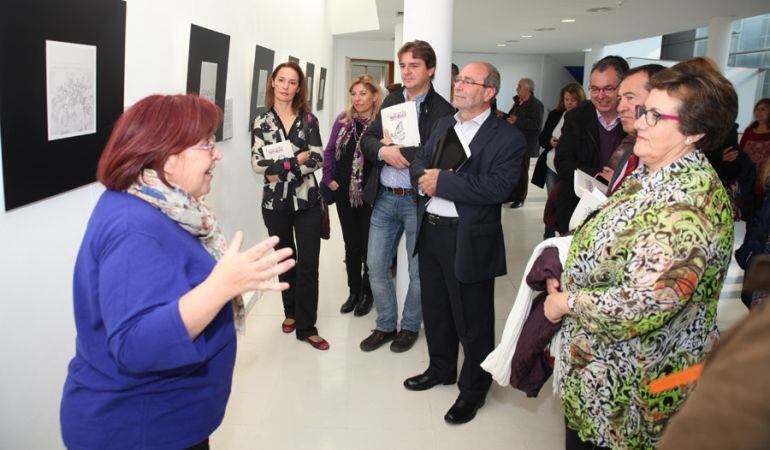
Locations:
{"points": [[527, 116], [460, 238], [590, 134]]}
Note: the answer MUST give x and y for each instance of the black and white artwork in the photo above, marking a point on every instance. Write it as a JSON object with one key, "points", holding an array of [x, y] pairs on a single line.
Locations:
{"points": [[263, 67], [310, 75], [61, 91], [321, 89], [207, 66], [227, 122], [70, 89], [294, 59], [208, 89]]}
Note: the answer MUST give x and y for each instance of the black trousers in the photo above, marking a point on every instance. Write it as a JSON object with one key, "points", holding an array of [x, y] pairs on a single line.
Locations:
{"points": [[203, 445], [455, 312], [300, 301], [355, 232], [519, 194]]}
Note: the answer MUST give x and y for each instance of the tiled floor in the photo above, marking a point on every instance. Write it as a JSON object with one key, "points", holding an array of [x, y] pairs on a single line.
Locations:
{"points": [[288, 395]]}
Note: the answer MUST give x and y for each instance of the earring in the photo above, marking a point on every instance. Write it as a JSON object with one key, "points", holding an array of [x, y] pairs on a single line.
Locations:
{"points": [[688, 141]]}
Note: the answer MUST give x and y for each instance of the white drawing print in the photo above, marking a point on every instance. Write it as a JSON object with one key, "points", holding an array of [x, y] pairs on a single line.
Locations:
{"points": [[227, 124], [70, 89], [261, 88], [399, 134], [208, 89], [321, 87]]}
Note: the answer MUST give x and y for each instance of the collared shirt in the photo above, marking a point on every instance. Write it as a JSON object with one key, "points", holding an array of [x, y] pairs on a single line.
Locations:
{"points": [[609, 126], [443, 207], [399, 178]]}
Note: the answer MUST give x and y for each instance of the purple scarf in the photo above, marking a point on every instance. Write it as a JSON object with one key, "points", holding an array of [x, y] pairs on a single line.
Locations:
{"points": [[357, 173]]}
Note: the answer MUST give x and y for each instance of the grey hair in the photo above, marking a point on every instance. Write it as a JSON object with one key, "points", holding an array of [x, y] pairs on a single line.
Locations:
{"points": [[529, 84], [493, 77]]}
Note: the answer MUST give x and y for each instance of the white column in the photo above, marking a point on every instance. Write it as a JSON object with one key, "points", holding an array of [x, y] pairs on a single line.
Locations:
{"points": [[589, 59], [718, 47], [431, 21], [398, 41]]}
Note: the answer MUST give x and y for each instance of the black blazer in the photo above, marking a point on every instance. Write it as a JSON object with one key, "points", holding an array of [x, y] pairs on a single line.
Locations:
{"points": [[432, 108], [578, 148], [541, 168], [529, 119], [478, 189]]}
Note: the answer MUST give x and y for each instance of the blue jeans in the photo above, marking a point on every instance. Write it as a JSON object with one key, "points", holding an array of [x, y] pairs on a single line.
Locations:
{"points": [[392, 213]]}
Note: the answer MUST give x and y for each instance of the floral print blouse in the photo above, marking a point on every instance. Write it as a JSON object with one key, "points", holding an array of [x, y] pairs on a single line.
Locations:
{"points": [[644, 274], [296, 188]]}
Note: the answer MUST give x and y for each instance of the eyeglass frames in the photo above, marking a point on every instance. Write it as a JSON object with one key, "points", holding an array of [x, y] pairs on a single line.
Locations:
{"points": [[468, 81], [651, 116]]}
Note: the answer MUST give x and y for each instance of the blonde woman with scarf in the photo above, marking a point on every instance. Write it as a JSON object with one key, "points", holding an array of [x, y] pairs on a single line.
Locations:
{"points": [[345, 174], [157, 288]]}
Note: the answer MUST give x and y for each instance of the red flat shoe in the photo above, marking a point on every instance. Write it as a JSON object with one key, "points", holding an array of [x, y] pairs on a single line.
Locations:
{"points": [[286, 328], [320, 345]]}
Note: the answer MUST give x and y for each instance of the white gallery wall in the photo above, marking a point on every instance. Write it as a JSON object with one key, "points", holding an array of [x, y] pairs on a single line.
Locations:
{"points": [[40, 241]]}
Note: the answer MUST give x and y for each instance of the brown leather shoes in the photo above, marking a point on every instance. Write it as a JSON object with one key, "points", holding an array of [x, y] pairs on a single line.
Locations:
{"points": [[377, 339], [404, 341]]}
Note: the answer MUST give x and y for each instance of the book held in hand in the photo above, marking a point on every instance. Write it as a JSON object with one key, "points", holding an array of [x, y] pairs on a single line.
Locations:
{"points": [[279, 150], [401, 123], [585, 183], [451, 151]]}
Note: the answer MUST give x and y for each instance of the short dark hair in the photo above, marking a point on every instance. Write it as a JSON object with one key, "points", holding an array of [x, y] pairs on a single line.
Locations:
{"points": [[649, 69], [709, 103], [420, 50], [299, 104], [152, 130], [455, 69], [611, 62]]}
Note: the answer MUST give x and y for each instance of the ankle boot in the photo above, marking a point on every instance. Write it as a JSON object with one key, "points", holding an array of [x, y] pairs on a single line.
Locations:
{"points": [[350, 303], [365, 304]]}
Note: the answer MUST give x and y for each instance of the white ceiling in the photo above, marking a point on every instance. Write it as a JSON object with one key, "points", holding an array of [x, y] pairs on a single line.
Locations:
{"points": [[482, 24]]}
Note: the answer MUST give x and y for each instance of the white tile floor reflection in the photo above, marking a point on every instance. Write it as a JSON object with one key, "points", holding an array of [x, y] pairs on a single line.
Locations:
{"points": [[288, 395]]}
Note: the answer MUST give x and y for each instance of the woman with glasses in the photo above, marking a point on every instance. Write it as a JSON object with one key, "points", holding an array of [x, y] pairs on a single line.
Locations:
{"points": [[345, 173], [644, 271], [291, 202], [157, 288]]}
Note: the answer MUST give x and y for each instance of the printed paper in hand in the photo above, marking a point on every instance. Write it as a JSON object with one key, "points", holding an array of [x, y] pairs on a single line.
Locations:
{"points": [[401, 122], [279, 150], [584, 183], [588, 202]]}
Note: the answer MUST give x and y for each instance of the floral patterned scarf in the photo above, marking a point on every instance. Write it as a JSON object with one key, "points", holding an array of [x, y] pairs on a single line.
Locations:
{"points": [[357, 172], [193, 215]]}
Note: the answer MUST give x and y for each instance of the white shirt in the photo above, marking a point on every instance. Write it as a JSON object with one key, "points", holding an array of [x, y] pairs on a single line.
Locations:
{"points": [[443, 207]]}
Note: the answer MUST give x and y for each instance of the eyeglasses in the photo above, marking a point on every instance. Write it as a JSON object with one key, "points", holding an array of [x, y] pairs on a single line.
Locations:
{"points": [[209, 147], [607, 90], [651, 116], [467, 81]]}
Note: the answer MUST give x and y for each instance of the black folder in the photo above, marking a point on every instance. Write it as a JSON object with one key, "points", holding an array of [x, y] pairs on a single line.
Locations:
{"points": [[449, 153]]}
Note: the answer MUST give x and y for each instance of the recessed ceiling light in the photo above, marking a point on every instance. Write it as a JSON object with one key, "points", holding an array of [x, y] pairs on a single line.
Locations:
{"points": [[568, 20], [599, 9], [501, 45], [526, 36], [545, 29], [586, 49]]}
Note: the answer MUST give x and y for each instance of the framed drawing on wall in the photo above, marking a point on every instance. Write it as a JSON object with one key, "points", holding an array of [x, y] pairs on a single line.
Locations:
{"points": [[294, 59], [61, 90], [207, 66], [321, 89], [310, 76], [263, 67]]}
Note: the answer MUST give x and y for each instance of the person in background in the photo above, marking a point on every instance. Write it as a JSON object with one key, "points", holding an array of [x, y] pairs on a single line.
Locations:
{"points": [[526, 115], [755, 141], [756, 241], [345, 172], [157, 289], [544, 174], [394, 201], [590, 135], [291, 201], [644, 271]]}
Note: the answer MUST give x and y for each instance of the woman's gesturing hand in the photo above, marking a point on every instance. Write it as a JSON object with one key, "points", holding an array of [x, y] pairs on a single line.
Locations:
{"points": [[254, 269]]}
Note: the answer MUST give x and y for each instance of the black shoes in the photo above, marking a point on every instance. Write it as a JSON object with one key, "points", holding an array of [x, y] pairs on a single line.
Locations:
{"points": [[517, 204], [462, 411], [364, 304], [424, 381], [404, 341], [350, 304], [377, 339]]}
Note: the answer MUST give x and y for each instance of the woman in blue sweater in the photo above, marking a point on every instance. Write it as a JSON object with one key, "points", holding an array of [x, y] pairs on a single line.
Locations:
{"points": [[157, 290]]}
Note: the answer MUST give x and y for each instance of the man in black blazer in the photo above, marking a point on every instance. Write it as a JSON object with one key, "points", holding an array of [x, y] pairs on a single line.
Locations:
{"points": [[460, 238], [590, 134], [526, 115]]}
